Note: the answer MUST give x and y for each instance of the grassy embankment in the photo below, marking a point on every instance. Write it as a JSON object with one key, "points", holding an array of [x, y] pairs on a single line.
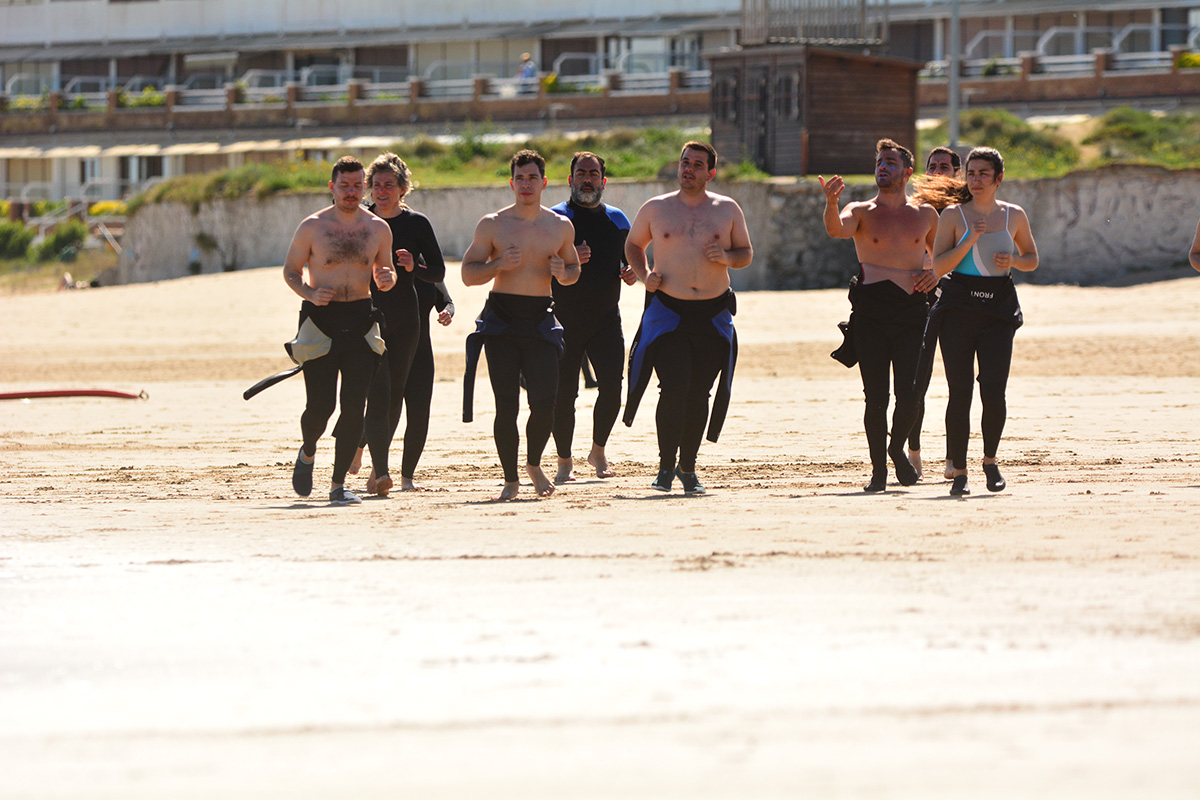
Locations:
{"points": [[1123, 135]]}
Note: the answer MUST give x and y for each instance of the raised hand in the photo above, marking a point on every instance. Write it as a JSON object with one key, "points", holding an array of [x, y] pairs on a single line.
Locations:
{"points": [[832, 188]]}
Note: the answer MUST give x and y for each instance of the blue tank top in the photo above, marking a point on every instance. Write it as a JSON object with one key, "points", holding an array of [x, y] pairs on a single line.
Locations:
{"points": [[980, 259]]}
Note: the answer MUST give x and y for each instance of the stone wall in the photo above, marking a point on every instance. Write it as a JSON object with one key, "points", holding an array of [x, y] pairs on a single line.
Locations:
{"points": [[1091, 227]]}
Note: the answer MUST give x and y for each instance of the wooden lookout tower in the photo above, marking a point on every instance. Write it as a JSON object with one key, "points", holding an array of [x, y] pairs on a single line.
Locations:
{"points": [[811, 89]]}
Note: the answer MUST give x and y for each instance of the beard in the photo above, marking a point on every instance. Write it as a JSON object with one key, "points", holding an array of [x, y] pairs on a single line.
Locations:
{"points": [[586, 197]]}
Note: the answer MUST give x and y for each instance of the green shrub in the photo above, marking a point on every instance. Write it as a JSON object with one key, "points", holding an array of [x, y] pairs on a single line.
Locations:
{"points": [[61, 243], [1129, 135], [1028, 151], [14, 239]]}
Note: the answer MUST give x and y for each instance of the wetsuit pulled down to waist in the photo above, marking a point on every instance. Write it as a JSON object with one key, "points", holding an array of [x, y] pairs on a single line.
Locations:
{"points": [[514, 316], [708, 320], [335, 327]]}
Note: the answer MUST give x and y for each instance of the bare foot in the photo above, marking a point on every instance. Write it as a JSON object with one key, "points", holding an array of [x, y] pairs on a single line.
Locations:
{"points": [[509, 492], [371, 482], [407, 485], [383, 485], [566, 471], [541, 484], [356, 462], [914, 458], [597, 459], [949, 473]]}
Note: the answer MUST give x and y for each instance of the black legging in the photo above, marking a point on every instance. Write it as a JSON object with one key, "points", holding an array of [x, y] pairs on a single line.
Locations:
{"points": [[387, 391], [508, 358], [605, 348], [357, 367], [964, 337], [880, 346], [688, 363], [418, 399]]}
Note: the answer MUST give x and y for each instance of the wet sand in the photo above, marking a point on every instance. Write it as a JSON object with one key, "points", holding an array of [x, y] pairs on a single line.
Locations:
{"points": [[178, 624]]}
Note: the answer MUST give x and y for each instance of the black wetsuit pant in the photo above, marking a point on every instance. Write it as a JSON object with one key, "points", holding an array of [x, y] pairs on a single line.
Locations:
{"points": [[964, 337], [687, 361], [914, 435], [418, 399], [355, 362], [884, 346], [509, 356], [604, 346], [387, 391]]}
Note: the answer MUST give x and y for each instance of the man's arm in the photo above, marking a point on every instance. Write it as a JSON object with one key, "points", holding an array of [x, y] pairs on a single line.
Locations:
{"points": [[928, 279], [740, 253], [477, 269], [564, 265], [1194, 255], [841, 225], [384, 273], [299, 252], [637, 240]]}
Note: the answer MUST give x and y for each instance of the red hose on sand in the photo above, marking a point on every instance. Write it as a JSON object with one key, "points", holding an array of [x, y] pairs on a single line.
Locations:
{"points": [[74, 393]]}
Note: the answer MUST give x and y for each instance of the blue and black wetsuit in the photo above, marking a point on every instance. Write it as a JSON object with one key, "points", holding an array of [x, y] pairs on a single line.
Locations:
{"points": [[591, 318], [411, 231]]}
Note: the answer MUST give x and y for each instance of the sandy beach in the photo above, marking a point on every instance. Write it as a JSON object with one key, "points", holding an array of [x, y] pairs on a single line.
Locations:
{"points": [[177, 623]]}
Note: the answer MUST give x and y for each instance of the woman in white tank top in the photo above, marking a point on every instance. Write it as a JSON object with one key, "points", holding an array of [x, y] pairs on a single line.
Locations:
{"points": [[978, 243]]}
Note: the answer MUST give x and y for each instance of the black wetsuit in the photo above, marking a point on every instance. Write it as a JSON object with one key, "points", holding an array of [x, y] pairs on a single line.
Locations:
{"points": [[689, 343], [591, 318], [418, 392], [976, 317], [520, 336], [345, 323], [888, 326], [411, 231]]}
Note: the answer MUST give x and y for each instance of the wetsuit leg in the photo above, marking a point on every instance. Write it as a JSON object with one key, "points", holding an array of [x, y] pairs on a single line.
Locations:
{"points": [[957, 339], [995, 360], [709, 355], [504, 371], [539, 365], [387, 392], [906, 354], [687, 365], [574, 342], [357, 366], [606, 351], [874, 357], [418, 398], [320, 390]]}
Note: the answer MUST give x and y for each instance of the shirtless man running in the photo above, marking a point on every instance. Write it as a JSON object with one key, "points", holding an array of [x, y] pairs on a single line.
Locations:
{"points": [[344, 247], [519, 249], [686, 334], [891, 236]]}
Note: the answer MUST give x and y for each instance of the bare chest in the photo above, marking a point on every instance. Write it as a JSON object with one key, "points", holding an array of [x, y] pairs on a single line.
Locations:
{"points": [[890, 230], [690, 228], [341, 245]]}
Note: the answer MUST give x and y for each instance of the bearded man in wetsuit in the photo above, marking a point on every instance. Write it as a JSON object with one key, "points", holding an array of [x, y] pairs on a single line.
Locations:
{"points": [[589, 313], [891, 236], [343, 247], [520, 250], [686, 334]]}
